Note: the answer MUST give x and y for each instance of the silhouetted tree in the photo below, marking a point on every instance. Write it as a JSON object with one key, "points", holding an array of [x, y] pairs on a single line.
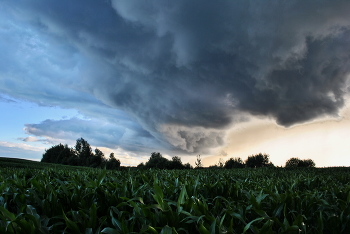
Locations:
{"points": [[188, 166], [59, 154], [141, 166], [297, 162], [234, 163], [84, 152], [308, 163], [157, 161], [221, 163], [112, 162], [97, 160], [81, 155], [50, 155], [73, 160], [199, 162], [292, 163], [258, 160], [175, 163], [65, 155]]}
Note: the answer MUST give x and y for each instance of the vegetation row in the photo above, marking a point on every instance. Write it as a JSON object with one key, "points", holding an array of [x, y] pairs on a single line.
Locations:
{"points": [[263, 200], [82, 155]]}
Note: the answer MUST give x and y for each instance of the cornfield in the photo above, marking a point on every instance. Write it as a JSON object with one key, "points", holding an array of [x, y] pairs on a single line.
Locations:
{"points": [[265, 200]]}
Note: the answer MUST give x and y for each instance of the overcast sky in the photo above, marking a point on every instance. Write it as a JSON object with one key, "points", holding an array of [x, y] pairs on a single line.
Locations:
{"points": [[222, 79]]}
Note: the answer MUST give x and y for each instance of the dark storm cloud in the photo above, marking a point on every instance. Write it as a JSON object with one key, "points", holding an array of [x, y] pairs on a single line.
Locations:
{"points": [[183, 70]]}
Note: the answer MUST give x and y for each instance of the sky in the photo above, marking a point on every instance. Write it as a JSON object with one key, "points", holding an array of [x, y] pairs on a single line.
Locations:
{"points": [[220, 79]]}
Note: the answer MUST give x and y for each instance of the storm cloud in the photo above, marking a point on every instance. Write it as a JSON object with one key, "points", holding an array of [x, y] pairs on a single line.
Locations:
{"points": [[181, 71], [99, 133]]}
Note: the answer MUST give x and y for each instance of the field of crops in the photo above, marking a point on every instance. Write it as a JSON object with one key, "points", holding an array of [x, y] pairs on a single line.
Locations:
{"points": [[265, 200]]}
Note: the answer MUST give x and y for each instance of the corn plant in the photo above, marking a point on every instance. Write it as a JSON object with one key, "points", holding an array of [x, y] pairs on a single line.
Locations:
{"points": [[264, 200]]}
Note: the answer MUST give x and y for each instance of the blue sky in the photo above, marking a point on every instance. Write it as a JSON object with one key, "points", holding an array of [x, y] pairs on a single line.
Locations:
{"points": [[180, 78], [15, 115]]}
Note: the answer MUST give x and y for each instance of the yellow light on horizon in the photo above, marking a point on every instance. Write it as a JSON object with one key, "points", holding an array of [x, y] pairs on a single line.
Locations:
{"points": [[324, 141]]}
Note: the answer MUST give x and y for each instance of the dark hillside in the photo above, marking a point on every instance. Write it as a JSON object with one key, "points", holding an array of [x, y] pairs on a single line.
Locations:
{"points": [[25, 163]]}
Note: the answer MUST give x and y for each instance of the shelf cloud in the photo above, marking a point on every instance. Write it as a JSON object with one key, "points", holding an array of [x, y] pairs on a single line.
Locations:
{"points": [[180, 73]]}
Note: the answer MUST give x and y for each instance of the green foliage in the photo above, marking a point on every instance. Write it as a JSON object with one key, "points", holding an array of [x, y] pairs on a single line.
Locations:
{"points": [[188, 166], [258, 160], [292, 163], [112, 163], [83, 152], [141, 166], [263, 200], [158, 161], [234, 163], [58, 154], [296, 162], [175, 163], [307, 163], [81, 155]]}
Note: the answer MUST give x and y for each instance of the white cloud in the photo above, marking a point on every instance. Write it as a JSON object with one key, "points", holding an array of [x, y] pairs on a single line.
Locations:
{"points": [[21, 146], [29, 139]]}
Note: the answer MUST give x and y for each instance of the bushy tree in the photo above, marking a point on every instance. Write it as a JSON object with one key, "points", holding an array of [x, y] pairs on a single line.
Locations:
{"points": [[50, 154], [141, 166], [292, 163], [188, 166], [112, 163], [258, 160], [234, 163], [175, 163], [59, 154], [157, 161], [297, 162], [97, 160], [84, 152], [81, 155], [308, 163], [73, 160]]}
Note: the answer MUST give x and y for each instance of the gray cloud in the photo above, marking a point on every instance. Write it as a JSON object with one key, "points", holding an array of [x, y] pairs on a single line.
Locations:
{"points": [[181, 71], [97, 133], [29, 139], [223, 153], [5, 99]]}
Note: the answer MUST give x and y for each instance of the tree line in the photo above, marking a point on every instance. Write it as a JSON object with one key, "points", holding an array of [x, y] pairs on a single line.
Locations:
{"points": [[254, 161], [158, 161], [262, 160], [82, 155]]}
